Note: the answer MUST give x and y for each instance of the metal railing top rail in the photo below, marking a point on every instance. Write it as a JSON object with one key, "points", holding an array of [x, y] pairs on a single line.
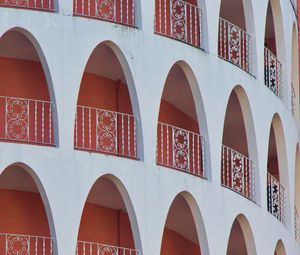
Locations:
{"points": [[24, 235], [28, 99], [226, 21], [112, 246], [105, 110], [235, 151], [188, 131]]}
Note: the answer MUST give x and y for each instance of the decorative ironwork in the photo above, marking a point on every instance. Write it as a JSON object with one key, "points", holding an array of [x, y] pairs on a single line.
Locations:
{"points": [[44, 5], [105, 131], [276, 198], [235, 45], [26, 120], [90, 248], [106, 9], [180, 149], [273, 73], [118, 11], [16, 244], [180, 20], [238, 172]]}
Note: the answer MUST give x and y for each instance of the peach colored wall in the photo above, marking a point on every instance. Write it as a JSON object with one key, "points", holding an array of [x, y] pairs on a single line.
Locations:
{"points": [[100, 92], [25, 79], [22, 213], [271, 44], [169, 114], [273, 167], [175, 244], [104, 225]]}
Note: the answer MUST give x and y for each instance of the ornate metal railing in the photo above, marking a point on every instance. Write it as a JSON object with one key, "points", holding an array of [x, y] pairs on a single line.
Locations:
{"points": [[296, 223], [41, 5], [180, 149], [293, 99], [179, 20], [90, 248], [235, 45], [15, 244], [105, 131], [118, 11], [26, 120], [238, 172], [273, 73], [276, 198]]}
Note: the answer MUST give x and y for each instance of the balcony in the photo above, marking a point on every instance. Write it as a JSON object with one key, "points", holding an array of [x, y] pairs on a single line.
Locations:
{"points": [[273, 73], [235, 45], [276, 198], [179, 20], [107, 132], [26, 120], [117, 11], [39, 5], [25, 244], [238, 173], [180, 149], [90, 248]]}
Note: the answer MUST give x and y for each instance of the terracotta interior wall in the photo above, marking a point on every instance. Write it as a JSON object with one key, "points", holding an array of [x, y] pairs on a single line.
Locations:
{"points": [[273, 166], [103, 93], [22, 213], [171, 115], [105, 226], [23, 78], [270, 43], [175, 244]]}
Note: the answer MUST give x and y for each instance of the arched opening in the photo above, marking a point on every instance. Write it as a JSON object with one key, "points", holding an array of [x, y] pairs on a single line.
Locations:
{"points": [[235, 29], [106, 223], [24, 225], [238, 149], [280, 250], [295, 74], [180, 20], [179, 143], [241, 239], [276, 172], [105, 120], [183, 234], [274, 49], [45, 5], [26, 109]]}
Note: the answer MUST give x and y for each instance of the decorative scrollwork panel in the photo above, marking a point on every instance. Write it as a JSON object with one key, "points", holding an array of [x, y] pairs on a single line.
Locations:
{"points": [[105, 9], [18, 3], [178, 19], [17, 245], [237, 172], [107, 131], [181, 148], [234, 41], [107, 250]]}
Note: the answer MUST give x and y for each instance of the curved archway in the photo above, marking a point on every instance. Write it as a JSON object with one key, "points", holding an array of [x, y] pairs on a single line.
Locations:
{"points": [[239, 156], [179, 143], [235, 34], [26, 223], [184, 231], [241, 240], [295, 73], [108, 222], [107, 106], [27, 95], [277, 176], [280, 249], [274, 52]]}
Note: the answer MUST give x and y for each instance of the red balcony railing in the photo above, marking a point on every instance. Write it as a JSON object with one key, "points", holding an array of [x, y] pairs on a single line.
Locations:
{"points": [[276, 198], [118, 11], [273, 73], [105, 131], [180, 149], [26, 120], [235, 45], [89, 248], [15, 244], [238, 172], [41, 5], [179, 20]]}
